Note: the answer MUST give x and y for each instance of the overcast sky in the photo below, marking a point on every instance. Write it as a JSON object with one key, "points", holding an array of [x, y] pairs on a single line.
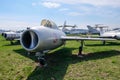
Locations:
{"points": [[19, 14]]}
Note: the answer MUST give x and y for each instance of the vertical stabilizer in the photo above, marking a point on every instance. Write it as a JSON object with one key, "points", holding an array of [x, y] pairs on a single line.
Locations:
{"points": [[92, 30]]}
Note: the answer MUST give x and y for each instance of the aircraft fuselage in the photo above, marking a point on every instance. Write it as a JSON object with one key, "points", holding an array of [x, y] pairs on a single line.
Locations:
{"points": [[41, 38]]}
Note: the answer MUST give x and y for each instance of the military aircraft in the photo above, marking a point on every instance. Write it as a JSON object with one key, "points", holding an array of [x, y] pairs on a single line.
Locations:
{"points": [[73, 29], [111, 34], [92, 30], [10, 36], [115, 33], [47, 37], [65, 29]]}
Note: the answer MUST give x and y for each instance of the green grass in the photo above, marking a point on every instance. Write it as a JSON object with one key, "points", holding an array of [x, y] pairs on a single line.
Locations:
{"points": [[100, 62]]}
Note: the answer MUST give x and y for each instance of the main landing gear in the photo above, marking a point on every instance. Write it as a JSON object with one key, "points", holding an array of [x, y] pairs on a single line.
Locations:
{"points": [[11, 42], [104, 42], [81, 49]]}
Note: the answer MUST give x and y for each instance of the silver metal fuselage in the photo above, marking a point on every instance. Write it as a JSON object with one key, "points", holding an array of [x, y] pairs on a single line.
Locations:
{"points": [[111, 34], [11, 35], [41, 38]]}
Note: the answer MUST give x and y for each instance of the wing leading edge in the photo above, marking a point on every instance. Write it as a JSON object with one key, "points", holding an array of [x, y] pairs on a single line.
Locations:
{"points": [[83, 38]]}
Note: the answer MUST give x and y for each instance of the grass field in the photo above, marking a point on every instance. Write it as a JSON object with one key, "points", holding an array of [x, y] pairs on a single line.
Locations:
{"points": [[100, 62]]}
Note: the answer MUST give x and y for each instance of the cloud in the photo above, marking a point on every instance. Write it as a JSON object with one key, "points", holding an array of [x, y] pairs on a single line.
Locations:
{"points": [[51, 4], [74, 14], [113, 3], [16, 25], [16, 22], [63, 9], [34, 4]]}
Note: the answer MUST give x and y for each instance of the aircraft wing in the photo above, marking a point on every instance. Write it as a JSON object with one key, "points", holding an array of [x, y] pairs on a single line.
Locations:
{"points": [[84, 38]]}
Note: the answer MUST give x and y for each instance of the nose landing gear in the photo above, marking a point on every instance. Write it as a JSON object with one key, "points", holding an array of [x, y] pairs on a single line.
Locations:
{"points": [[42, 62], [41, 59]]}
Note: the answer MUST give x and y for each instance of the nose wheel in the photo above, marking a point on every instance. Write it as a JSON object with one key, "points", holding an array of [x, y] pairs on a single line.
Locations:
{"points": [[42, 62], [41, 59]]}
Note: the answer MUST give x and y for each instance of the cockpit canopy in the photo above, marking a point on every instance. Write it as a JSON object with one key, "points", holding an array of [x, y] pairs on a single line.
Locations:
{"points": [[48, 23]]}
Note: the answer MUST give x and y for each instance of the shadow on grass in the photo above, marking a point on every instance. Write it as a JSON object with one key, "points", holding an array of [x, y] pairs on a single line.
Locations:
{"points": [[14, 43], [59, 60]]}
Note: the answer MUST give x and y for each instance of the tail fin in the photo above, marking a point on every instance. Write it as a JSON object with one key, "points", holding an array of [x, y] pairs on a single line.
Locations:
{"points": [[64, 24], [101, 31], [92, 30]]}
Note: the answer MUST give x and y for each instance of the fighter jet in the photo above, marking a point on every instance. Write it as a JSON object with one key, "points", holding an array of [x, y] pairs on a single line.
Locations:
{"points": [[65, 29], [47, 37], [110, 34], [10, 36], [115, 33], [92, 30]]}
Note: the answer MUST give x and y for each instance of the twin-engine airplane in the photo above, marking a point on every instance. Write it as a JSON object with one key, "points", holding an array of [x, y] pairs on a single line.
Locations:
{"points": [[47, 37]]}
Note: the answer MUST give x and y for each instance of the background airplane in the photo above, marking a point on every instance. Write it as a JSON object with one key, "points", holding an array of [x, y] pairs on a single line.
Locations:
{"points": [[111, 34], [10, 36], [48, 37], [105, 33], [72, 29], [92, 30], [66, 28]]}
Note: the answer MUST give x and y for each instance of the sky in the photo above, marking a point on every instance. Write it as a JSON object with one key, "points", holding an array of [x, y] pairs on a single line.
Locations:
{"points": [[19, 14]]}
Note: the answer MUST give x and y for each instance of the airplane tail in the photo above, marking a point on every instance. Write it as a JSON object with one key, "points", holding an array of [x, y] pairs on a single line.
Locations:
{"points": [[64, 24], [92, 30], [101, 31]]}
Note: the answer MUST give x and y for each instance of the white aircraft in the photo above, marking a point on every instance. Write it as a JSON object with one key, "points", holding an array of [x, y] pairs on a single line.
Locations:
{"points": [[92, 30], [78, 31], [48, 37], [10, 36], [72, 29], [115, 33], [110, 34], [65, 29]]}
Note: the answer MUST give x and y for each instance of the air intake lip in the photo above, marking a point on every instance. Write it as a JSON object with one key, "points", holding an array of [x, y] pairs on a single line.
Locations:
{"points": [[29, 40], [5, 35]]}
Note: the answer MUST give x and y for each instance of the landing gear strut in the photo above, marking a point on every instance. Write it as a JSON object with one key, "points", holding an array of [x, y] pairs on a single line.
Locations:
{"points": [[81, 49], [11, 42], [41, 59], [104, 42]]}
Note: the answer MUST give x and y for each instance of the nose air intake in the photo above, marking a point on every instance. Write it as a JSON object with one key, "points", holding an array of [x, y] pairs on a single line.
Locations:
{"points": [[29, 39], [5, 35]]}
